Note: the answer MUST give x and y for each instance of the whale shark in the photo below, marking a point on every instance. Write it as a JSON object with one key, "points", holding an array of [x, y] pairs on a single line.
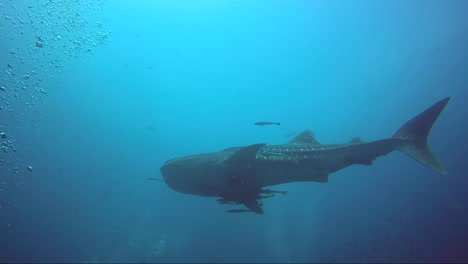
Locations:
{"points": [[239, 175]]}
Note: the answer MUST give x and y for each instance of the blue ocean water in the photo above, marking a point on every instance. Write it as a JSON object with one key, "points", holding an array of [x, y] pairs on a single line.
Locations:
{"points": [[96, 95]]}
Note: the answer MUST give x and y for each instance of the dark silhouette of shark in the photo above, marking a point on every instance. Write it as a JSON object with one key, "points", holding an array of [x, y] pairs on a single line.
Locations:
{"points": [[237, 175]]}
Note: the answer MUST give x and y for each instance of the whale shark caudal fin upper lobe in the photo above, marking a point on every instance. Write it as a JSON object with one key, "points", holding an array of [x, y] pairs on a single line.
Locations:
{"points": [[415, 133]]}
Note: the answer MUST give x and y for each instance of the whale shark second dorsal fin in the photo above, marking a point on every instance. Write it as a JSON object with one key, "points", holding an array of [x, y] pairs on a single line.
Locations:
{"points": [[356, 140], [306, 137]]}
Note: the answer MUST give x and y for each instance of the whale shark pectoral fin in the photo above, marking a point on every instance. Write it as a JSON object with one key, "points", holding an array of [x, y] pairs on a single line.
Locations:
{"points": [[254, 205], [242, 160], [323, 177]]}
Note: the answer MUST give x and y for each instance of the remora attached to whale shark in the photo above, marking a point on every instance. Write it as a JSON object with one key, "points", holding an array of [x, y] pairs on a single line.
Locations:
{"points": [[237, 175]]}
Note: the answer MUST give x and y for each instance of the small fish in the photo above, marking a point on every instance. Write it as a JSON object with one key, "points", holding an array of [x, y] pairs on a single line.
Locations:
{"points": [[233, 211], [267, 191], [267, 123], [224, 201], [154, 179], [104, 195], [151, 128]]}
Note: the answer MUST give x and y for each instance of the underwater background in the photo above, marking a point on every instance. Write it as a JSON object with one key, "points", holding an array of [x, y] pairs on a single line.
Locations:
{"points": [[96, 95]]}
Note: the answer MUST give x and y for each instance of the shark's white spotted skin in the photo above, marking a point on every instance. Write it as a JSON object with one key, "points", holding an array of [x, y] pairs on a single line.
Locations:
{"points": [[238, 174], [294, 153]]}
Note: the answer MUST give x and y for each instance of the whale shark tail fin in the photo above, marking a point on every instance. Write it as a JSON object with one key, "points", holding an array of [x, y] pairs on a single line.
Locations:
{"points": [[415, 134]]}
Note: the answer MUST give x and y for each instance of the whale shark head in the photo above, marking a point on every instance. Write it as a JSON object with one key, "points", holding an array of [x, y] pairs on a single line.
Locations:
{"points": [[208, 174], [191, 174]]}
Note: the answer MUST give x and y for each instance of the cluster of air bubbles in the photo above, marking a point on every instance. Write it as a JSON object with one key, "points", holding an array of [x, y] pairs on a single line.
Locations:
{"points": [[159, 249], [6, 144], [41, 39], [43, 36]]}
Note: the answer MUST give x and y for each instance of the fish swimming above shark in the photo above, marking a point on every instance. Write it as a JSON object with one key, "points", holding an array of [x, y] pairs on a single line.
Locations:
{"points": [[263, 123], [239, 175]]}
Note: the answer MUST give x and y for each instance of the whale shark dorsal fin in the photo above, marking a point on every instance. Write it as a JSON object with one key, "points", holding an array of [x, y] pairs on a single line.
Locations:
{"points": [[306, 137]]}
